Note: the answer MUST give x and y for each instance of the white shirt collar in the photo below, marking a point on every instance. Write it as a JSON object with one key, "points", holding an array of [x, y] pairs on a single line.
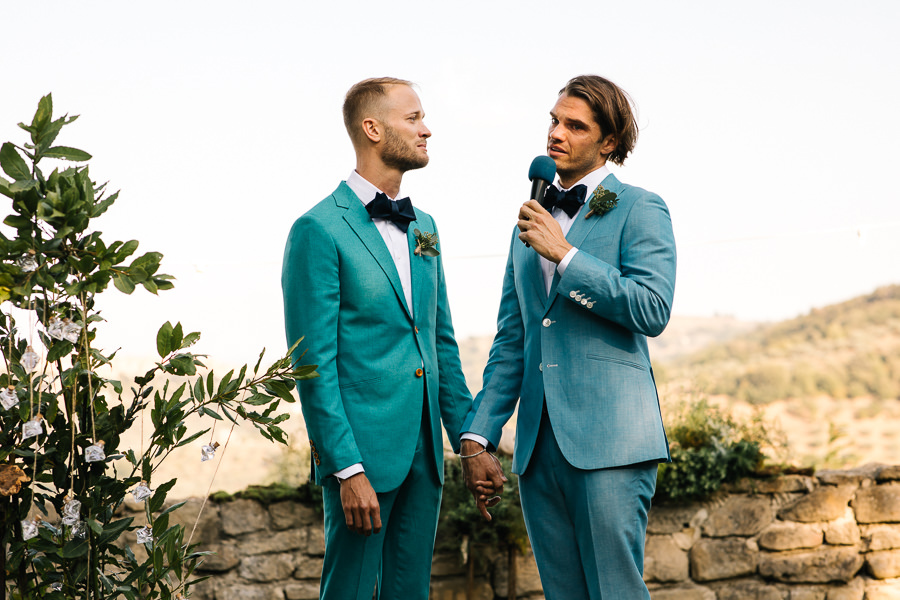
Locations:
{"points": [[364, 189], [590, 181]]}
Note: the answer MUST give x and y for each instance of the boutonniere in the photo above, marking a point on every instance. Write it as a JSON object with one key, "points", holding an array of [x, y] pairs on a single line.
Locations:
{"points": [[602, 201], [426, 243]]}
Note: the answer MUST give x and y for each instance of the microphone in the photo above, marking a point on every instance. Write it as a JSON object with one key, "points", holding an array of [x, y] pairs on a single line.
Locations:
{"points": [[541, 173]]}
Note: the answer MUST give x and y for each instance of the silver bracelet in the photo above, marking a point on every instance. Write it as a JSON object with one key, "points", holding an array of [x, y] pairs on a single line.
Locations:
{"points": [[482, 451]]}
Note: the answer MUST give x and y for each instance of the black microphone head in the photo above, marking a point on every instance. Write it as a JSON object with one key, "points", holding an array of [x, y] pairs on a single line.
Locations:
{"points": [[542, 167]]}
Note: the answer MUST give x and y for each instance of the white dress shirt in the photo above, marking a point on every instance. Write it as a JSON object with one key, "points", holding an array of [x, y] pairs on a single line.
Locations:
{"points": [[591, 181]]}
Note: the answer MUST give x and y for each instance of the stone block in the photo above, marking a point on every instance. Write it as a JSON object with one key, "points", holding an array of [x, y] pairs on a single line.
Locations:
{"points": [[207, 530], [821, 566], [685, 592], [267, 567], [739, 515], [746, 589], [302, 590], [878, 504], [664, 560], [807, 593], [455, 589], [267, 542], [722, 559], [863, 475], [884, 564], [669, 519], [242, 592], [891, 473], [788, 535], [826, 503], [446, 564], [881, 537], [224, 558], [315, 540], [527, 579], [243, 516], [292, 515], [883, 590], [855, 590], [784, 484], [308, 567], [843, 531]]}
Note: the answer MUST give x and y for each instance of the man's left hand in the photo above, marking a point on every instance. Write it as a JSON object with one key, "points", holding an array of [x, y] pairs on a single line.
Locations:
{"points": [[542, 232]]}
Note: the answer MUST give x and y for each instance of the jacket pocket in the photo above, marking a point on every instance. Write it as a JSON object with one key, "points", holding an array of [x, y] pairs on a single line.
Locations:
{"points": [[617, 361], [361, 382]]}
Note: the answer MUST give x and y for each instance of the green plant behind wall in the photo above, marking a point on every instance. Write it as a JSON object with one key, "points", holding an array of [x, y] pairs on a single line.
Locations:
{"points": [[60, 490], [709, 448]]}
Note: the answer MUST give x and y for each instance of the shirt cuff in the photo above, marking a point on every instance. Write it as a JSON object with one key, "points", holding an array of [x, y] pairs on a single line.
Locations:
{"points": [[561, 267], [475, 438], [350, 471]]}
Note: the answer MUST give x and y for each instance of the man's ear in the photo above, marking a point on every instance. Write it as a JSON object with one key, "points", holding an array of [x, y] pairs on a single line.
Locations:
{"points": [[373, 129], [608, 144]]}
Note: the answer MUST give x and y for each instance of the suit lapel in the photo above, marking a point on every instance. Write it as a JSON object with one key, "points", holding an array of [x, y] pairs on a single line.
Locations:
{"points": [[582, 226], [358, 220], [417, 266]]}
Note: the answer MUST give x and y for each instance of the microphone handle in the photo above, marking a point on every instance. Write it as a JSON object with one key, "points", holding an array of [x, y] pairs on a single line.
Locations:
{"points": [[538, 190]]}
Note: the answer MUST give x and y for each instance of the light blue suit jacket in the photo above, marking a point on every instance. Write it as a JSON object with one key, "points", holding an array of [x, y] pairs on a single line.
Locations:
{"points": [[376, 360], [584, 348]]}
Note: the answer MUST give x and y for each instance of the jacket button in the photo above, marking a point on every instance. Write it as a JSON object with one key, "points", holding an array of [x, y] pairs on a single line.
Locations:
{"points": [[546, 322], [417, 329], [572, 294], [419, 372], [541, 367]]}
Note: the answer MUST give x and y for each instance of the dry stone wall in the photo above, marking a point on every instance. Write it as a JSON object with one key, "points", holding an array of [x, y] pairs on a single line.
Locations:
{"points": [[834, 536]]}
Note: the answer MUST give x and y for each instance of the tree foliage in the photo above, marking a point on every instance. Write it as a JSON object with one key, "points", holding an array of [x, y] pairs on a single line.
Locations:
{"points": [[51, 272]]}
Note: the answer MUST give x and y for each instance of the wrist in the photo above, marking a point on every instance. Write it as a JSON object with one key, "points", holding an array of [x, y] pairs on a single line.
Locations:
{"points": [[470, 447]]}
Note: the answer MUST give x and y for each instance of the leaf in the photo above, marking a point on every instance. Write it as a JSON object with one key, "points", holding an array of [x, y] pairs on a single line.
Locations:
{"points": [[66, 153], [12, 163], [41, 117], [159, 496], [74, 548], [123, 283], [163, 340]]}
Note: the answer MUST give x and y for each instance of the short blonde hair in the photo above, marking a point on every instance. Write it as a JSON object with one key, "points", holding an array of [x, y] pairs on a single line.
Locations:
{"points": [[364, 100]]}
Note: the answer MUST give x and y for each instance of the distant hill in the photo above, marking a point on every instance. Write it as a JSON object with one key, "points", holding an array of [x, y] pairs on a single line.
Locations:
{"points": [[845, 350]]}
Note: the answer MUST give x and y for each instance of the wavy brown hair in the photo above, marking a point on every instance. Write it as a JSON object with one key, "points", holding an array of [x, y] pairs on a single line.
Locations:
{"points": [[613, 111]]}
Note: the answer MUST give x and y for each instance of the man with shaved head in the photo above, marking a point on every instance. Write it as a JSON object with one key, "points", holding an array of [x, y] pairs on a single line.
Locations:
{"points": [[364, 291]]}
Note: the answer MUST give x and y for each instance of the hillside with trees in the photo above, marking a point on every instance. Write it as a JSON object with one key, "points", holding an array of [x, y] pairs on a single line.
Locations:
{"points": [[846, 350]]}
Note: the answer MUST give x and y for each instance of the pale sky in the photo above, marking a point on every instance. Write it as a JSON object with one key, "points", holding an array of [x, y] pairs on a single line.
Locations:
{"points": [[769, 128]]}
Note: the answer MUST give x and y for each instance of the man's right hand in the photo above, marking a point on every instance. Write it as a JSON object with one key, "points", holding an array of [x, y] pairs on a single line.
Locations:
{"points": [[483, 475], [361, 508]]}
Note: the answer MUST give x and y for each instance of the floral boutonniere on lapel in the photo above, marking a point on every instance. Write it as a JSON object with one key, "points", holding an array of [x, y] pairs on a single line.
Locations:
{"points": [[602, 201], [426, 243]]}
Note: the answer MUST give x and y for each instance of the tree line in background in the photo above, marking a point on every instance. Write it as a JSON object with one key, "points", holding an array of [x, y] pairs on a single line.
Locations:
{"points": [[846, 350]]}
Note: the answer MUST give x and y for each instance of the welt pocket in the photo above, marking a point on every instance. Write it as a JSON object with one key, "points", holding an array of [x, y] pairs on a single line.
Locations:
{"points": [[361, 382], [617, 361], [601, 240]]}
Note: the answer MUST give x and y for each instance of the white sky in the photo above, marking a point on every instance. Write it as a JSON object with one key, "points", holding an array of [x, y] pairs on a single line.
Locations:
{"points": [[768, 128]]}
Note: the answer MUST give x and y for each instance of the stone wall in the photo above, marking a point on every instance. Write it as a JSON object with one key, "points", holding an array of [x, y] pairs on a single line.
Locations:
{"points": [[834, 536]]}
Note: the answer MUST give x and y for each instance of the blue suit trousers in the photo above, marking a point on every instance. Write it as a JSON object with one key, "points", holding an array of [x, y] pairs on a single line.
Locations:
{"points": [[592, 519]]}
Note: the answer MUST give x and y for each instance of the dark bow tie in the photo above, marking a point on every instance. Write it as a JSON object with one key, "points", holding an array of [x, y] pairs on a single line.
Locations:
{"points": [[399, 211], [570, 201]]}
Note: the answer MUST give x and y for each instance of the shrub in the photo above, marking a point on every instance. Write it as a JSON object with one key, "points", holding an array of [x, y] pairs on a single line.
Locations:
{"points": [[709, 448]]}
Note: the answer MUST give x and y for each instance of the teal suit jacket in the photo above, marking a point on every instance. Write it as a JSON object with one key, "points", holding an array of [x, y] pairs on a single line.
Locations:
{"points": [[584, 348], [375, 359]]}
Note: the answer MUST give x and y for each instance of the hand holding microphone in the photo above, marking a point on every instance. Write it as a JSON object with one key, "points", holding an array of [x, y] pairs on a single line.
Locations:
{"points": [[541, 173]]}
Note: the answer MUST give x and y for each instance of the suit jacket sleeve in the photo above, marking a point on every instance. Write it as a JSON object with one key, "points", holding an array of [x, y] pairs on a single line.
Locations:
{"points": [[502, 382], [312, 296], [453, 397], [638, 295]]}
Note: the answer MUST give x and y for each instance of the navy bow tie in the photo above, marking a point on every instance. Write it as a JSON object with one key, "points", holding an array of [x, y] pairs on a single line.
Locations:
{"points": [[399, 211], [570, 201]]}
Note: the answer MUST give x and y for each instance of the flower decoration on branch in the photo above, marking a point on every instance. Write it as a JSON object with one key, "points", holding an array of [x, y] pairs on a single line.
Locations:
{"points": [[426, 243], [601, 202]]}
